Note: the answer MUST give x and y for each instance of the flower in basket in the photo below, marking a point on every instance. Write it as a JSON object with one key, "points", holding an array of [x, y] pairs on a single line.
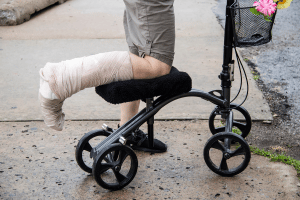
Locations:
{"points": [[264, 7], [268, 7]]}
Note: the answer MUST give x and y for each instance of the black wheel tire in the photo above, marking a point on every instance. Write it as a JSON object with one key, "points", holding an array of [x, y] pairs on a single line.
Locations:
{"points": [[117, 153], [84, 145], [216, 142], [244, 126]]}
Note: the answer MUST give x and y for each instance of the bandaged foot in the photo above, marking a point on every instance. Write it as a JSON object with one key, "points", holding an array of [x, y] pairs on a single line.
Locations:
{"points": [[52, 112], [61, 80]]}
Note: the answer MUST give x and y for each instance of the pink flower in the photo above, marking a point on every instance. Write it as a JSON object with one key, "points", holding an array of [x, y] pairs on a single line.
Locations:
{"points": [[267, 7]]}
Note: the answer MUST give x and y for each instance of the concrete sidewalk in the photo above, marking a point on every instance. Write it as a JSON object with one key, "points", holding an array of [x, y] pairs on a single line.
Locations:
{"points": [[79, 28], [38, 163]]}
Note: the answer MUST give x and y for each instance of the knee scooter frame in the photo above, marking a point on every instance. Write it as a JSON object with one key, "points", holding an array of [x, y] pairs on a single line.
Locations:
{"points": [[112, 151]]}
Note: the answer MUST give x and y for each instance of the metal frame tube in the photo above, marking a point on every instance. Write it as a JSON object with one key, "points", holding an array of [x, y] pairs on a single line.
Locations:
{"points": [[227, 54], [146, 114], [150, 122], [229, 122]]}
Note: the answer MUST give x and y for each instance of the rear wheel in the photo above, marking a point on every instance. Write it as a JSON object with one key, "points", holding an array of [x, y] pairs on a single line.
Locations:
{"points": [[85, 146], [241, 126]]}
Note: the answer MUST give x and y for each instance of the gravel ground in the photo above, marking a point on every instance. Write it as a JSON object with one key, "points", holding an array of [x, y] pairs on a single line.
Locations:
{"points": [[277, 66]]}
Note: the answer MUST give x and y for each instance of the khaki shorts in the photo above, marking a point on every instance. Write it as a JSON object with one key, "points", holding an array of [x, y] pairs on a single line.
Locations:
{"points": [[150, 28]]}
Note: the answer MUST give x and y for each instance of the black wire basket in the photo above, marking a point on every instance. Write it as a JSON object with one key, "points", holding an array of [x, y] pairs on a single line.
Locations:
{"points": [[250, 29]]}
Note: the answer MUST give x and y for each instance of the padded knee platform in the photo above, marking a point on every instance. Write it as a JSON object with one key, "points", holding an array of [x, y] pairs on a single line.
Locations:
{"points": [[172, 84]]}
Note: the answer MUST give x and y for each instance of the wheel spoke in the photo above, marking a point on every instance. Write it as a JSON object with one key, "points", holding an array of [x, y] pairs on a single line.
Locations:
{"points": [[220, 129], [120, 177], [218, 145], [87, 147], [223, 165], [116, 154], [104, 167], [238, 151], [240, 125], [109, 158], [122, 156]]}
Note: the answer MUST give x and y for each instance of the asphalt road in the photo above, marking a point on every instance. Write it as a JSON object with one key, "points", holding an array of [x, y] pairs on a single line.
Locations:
{"points": [[277, 66], [278, 62]]}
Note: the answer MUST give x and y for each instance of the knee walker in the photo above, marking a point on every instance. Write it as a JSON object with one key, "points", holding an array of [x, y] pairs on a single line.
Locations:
{"points": [[110, 153]]}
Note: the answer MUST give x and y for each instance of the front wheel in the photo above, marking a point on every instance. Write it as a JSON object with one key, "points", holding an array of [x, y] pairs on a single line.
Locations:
{"points": [[115, 167], [225, 158]]}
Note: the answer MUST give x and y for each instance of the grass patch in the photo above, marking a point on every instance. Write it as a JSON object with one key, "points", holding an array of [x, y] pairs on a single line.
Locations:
{"points": [[236, 131], [273, 156], [278, 158], [255, 75]]}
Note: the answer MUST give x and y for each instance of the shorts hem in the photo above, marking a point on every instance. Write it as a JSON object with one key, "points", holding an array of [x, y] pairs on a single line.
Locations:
{"points": [[133, 50], [162, 58]]}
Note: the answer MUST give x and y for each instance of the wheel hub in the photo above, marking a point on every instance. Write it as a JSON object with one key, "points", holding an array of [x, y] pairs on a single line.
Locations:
{"points": [[226, 155], [117, 168]]}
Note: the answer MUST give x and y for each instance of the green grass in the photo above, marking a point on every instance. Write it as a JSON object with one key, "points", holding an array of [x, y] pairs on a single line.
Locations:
{"points": [[273, 156], [234, 130], [255, 76], [278, 158], [237, 131]]}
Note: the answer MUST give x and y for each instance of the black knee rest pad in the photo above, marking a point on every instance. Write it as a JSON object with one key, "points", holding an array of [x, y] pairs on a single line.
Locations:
{"points": [[174, 83]]}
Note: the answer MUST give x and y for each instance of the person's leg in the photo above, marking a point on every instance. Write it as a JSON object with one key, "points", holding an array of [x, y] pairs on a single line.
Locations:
{"points": [[148, 67], [61, 80], [143, 68], [128, 110], [147, 34], [74, 75], [151, 41]]}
